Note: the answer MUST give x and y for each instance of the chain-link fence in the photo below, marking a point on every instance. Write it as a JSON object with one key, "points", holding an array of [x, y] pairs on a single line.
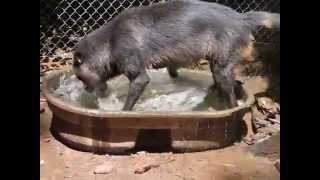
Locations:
{"points": [[64, 22]]}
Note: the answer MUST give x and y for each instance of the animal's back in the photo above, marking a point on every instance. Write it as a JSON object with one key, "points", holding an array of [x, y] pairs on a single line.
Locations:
{"points": [[177, 32]]}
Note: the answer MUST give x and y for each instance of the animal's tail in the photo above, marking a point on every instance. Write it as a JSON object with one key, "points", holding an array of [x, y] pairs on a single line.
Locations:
{"points": [[265, 19]]}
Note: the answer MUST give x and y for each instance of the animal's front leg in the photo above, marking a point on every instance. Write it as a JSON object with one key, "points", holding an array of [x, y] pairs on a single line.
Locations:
{"points": [[137, 86]]}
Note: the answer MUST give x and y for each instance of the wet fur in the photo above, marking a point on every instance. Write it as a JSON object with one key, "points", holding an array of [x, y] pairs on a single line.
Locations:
{"points": [[172, 35]]}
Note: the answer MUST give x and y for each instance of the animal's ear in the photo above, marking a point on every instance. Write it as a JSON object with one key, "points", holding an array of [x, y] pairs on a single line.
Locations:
{"points": [[76, 55], [107, 66], [77, 59]]}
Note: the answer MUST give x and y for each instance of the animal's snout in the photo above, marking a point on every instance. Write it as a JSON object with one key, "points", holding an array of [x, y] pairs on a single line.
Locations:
{"points": [[101, 91], [87, 86], [89, 89]]}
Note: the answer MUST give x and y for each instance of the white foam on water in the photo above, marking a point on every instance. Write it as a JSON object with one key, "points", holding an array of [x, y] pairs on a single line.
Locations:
{"points": [[70, 88], [110, 103], [170, 96], [180, 101]]}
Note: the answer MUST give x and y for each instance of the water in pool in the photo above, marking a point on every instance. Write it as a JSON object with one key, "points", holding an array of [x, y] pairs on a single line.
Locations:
{"points": [[188, 92]]}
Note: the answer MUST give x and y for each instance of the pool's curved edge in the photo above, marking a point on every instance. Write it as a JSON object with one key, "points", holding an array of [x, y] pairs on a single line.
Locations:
{"points": [[131, 114]]}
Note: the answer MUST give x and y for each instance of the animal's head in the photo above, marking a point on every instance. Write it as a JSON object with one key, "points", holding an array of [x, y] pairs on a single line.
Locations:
{"points": [[91, 65]]}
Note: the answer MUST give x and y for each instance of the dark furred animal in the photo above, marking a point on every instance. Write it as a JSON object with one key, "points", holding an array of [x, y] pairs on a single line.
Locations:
{"points": [[172, 35]]}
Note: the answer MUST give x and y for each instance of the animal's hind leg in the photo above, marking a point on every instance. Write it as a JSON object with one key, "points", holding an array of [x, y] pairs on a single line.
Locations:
{"points": [[225, 82], [172, 70]]}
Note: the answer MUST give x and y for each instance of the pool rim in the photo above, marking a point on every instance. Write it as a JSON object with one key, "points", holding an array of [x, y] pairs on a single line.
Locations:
{"points": [[55, 101]]}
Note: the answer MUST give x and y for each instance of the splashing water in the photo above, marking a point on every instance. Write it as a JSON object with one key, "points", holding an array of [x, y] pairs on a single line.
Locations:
{"points": [[163, 93]]}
